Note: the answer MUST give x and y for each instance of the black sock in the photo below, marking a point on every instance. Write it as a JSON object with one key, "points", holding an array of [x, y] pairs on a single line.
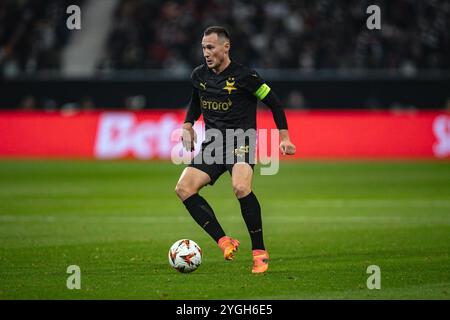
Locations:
{"points": [[204, 215], [251, 211]]}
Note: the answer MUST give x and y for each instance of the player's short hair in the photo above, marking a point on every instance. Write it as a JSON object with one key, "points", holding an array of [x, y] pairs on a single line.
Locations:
{"points": [[220, 31]]}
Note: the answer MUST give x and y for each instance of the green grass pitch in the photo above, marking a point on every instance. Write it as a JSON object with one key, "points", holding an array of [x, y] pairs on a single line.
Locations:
{"points": [[325, 222]]}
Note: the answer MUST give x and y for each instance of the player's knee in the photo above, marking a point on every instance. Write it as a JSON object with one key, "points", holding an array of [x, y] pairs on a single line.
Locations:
{"points": [[183, 191], [241, 190]]}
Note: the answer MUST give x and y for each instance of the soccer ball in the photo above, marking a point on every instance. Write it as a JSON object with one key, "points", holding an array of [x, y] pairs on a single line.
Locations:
{"points": [[185, 256]]}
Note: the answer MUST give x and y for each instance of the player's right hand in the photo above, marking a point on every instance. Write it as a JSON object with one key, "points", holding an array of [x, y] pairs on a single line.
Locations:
{"points": [[189, 138]]}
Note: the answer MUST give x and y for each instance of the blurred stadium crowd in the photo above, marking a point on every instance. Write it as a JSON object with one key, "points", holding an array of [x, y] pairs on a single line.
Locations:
{"points": [[162, 38], [306, 35], [32, 34]]}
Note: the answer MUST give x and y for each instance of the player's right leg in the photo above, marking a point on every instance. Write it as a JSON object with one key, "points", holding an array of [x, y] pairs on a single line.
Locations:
{"points": [[190, 182], [187, 188]]}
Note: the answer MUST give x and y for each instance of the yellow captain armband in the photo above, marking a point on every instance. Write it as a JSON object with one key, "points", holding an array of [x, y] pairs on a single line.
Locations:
{"points": [[262, 91]]}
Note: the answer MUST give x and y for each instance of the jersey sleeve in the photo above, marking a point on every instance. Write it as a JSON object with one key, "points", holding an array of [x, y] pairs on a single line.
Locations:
{"points": [[193, 109], [273, 102], [256, 85], [259, 88]]}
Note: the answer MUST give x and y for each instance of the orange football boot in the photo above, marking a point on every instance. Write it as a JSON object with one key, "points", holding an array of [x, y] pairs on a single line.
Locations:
{"points": [[229, 247], [260, 261]]}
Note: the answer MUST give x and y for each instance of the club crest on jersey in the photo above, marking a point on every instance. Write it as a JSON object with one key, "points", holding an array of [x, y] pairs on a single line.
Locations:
{"points": [[230, 85]]}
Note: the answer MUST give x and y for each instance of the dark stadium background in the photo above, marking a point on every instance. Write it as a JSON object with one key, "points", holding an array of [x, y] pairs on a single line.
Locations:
{"points": [[369, 112], [316, 54]]}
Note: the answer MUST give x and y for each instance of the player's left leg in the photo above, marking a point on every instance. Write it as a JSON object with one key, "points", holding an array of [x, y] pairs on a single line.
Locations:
{"points": [[241, 176]]}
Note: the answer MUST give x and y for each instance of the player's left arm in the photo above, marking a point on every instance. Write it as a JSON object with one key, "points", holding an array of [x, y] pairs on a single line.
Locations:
{"points": [[270, 99]]}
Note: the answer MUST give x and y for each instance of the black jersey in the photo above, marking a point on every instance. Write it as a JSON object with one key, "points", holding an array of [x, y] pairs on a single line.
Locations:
{"points": [[226, 100]]}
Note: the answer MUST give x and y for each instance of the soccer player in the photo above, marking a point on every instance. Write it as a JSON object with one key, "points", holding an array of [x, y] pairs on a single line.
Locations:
{"points": [[226, 93]]}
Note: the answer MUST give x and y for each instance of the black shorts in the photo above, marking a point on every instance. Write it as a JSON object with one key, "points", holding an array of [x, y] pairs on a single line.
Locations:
{"points": [[213, 166]]}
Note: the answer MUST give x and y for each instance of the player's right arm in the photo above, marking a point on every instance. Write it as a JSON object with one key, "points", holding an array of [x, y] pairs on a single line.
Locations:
{"points": [[188, 135]]}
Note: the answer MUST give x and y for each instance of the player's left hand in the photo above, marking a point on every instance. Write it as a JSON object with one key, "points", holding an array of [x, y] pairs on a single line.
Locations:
{"points": [[287, 147]]}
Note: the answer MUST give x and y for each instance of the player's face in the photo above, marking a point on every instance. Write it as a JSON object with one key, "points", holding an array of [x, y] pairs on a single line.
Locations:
{"points": [[215, 50]]}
